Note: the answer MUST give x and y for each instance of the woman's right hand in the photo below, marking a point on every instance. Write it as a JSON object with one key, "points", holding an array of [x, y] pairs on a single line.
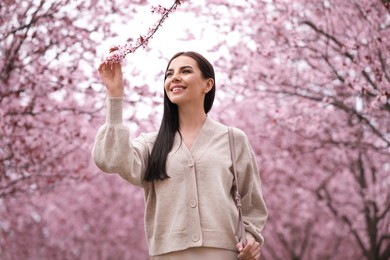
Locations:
{"points": [[111, 74]]}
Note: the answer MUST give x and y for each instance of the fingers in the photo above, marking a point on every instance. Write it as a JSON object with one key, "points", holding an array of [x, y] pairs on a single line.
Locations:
{"points": [[117, 66], [101, 67], [112, 77], [105, 66], [250, 252], [104, 69], [239, 247]]}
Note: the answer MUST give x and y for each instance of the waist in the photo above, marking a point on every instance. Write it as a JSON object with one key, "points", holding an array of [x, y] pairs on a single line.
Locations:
{"points": [[195, 253]]}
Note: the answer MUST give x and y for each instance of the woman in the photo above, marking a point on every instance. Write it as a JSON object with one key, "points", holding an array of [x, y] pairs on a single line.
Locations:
{"points": [[185, 168]]}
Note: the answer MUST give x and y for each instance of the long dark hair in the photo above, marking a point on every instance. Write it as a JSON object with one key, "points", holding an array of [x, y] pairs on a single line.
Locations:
{"points": [[156, 169]]}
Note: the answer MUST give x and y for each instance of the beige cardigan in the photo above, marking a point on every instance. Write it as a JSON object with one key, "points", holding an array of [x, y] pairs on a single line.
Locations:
{"points": [[194, 206]]}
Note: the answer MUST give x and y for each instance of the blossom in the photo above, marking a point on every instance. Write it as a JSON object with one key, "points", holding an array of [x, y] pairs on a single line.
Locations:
{"points": [[118, 53]]}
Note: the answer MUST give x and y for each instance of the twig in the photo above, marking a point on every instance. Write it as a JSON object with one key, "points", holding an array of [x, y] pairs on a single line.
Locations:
{"points": [[118, 53]]}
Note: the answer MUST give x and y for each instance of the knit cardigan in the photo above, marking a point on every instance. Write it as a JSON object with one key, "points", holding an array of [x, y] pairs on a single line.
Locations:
{"points": [[193, 207]]}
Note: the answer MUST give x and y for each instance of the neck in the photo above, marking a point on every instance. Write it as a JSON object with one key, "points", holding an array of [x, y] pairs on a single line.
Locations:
{"points": [[191, 119]]}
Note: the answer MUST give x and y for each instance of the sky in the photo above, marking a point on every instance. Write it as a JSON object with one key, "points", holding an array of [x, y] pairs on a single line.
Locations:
{"points": [[168, 40]]}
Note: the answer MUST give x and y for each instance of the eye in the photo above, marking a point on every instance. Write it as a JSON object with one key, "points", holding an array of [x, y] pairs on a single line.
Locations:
{"points": [[186, 71], [168, 74]]}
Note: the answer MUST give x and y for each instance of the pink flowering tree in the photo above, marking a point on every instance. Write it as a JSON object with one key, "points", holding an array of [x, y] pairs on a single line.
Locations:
{"points": [[48, 91], [51, 104], [98, 219], [308, 81], [42, 85], [312, 83]]}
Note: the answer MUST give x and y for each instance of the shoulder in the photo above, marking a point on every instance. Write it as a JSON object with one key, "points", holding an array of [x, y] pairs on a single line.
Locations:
{"points": [[215, 124], [240, 137], [237, 132], [241, 143]]}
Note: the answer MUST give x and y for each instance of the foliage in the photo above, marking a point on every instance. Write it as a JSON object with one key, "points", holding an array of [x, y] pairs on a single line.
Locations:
{"points": [[308, 81]]}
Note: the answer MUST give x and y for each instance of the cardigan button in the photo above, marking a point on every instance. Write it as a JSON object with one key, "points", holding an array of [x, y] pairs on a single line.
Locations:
{"points": [[195, 237], [193, 203], [190, 163]]}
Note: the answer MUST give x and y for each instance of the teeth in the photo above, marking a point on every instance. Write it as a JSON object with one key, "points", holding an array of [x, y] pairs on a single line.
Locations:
{"points": [[177, 89]]}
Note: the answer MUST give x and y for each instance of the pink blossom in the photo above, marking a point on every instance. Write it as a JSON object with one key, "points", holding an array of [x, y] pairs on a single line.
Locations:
{"points": [[118, 53]]}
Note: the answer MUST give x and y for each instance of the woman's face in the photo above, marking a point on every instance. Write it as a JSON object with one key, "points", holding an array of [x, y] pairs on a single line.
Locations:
{"points": [[184, 83]]}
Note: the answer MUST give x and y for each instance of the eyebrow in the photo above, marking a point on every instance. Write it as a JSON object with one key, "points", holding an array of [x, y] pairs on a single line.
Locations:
{"points": [[181, 68]]}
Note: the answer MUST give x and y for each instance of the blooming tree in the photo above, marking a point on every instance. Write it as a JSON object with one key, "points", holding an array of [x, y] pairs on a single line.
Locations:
{"points": [[50, 108], [308, 81], [318, 77]]}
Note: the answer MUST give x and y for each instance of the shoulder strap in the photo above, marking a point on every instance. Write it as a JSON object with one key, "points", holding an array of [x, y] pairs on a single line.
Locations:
{"points": [[240, 229]]}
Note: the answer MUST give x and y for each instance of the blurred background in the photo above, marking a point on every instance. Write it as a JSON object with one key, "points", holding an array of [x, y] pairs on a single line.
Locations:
{"points": [[308, 81]]}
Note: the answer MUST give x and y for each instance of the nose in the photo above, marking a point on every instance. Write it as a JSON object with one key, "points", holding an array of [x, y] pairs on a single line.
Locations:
{"points": [[175, 78]]}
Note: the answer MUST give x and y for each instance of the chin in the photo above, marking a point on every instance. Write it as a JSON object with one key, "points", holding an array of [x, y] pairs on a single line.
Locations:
{"points": [[174, 100]]}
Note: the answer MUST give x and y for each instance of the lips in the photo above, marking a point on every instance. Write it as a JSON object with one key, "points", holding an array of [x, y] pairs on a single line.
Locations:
{"points": [[176, 89]]}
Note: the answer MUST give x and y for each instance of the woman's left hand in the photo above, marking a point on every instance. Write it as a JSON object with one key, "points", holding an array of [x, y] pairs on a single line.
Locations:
{"points": [[251, 251]]}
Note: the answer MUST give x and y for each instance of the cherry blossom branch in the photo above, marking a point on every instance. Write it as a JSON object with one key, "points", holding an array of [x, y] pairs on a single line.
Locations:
{"points": [[118, 53]]}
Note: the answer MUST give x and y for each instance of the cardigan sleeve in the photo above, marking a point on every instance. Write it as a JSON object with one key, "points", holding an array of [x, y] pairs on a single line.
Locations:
{"points": [[254, 210], [114, 153]]}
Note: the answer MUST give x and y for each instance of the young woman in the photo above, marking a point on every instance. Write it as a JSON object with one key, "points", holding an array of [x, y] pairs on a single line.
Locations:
{"points": [[185, 168]]}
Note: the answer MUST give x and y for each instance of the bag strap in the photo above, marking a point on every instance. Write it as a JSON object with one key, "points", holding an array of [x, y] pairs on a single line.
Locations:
{"points": [[240, 229]]}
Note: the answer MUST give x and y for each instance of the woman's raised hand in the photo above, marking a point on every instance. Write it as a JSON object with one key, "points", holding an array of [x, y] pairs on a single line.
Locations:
{"points": [[111, 74]]}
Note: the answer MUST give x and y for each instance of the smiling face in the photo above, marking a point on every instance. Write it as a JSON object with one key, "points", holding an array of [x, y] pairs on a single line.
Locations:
{"points": [[185, 84]]}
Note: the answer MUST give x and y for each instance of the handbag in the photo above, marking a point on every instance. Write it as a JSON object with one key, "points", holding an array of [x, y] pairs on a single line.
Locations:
{"points": [[240, 229]]}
